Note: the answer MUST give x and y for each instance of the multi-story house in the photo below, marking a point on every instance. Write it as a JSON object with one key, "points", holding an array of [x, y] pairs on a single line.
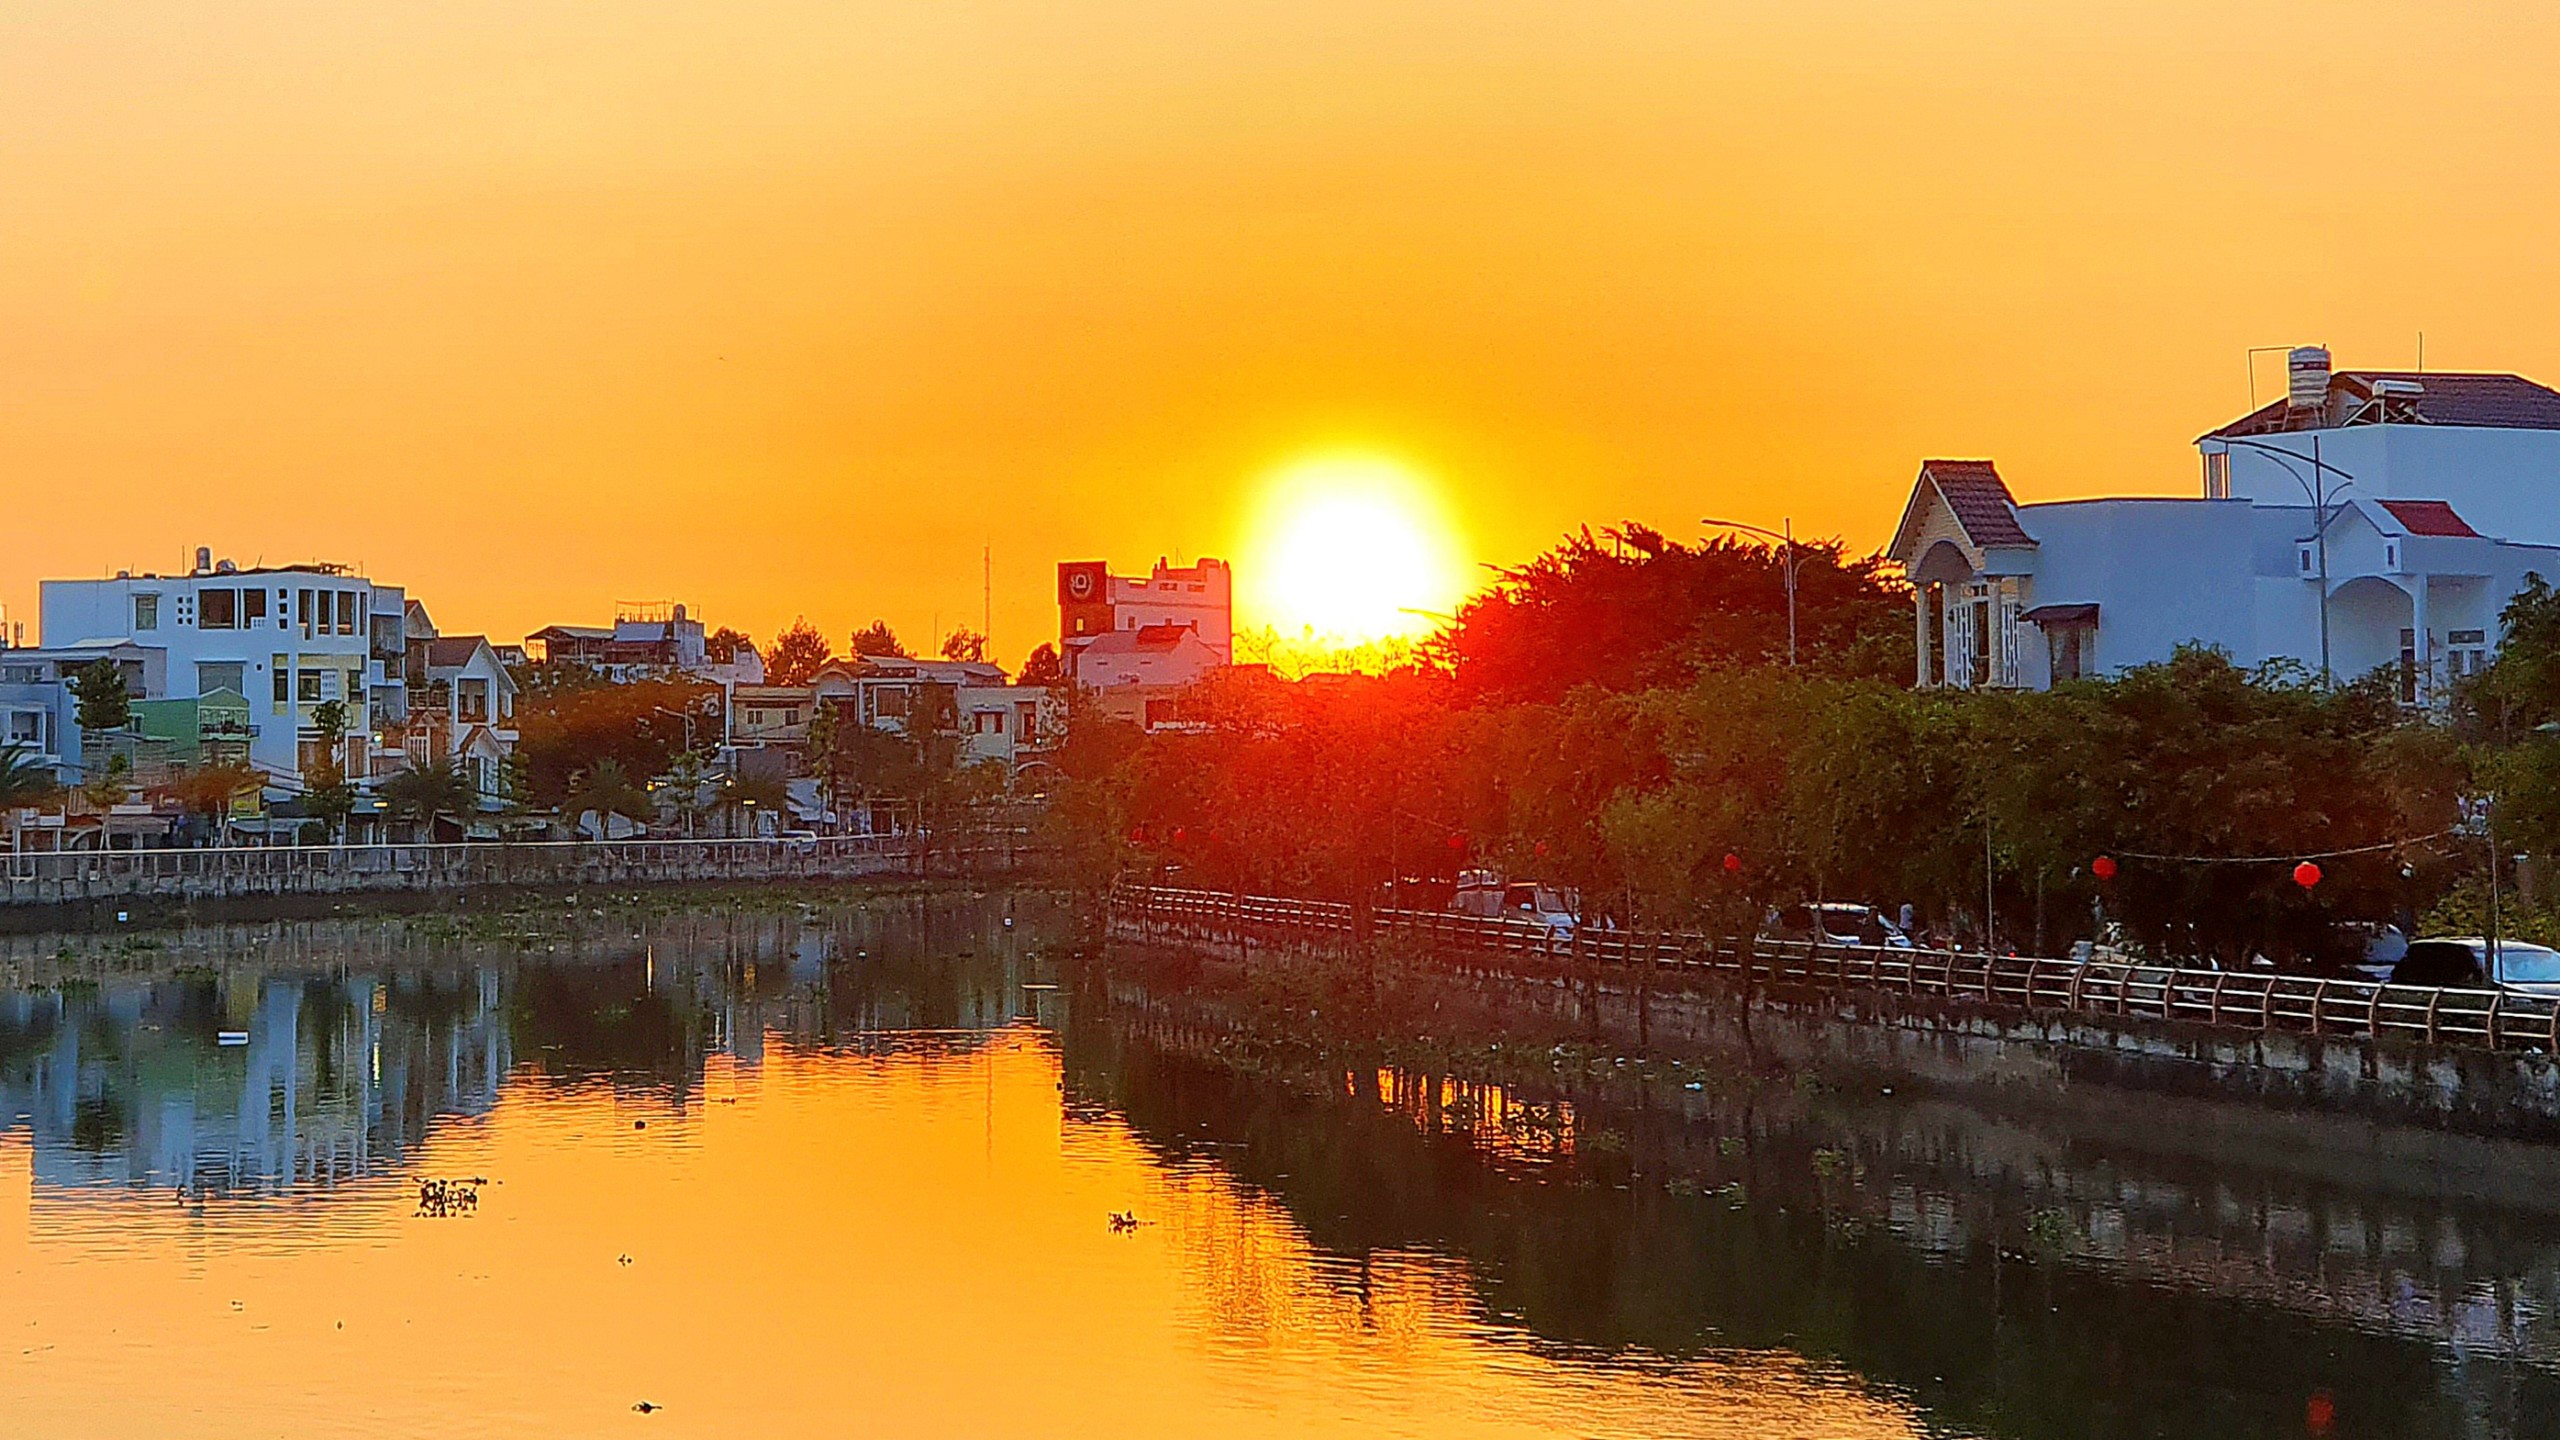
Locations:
{"points": [[462, 708], [1093, 604], [39, 711], [2367, 521], [287, 638]]}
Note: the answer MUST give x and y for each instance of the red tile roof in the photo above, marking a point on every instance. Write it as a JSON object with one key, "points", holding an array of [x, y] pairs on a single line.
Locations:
{"points": [[2429, 517], [1979, 499]]}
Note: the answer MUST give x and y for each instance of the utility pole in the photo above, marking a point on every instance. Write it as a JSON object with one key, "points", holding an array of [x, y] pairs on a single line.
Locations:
{"points": [[2320, 537]]}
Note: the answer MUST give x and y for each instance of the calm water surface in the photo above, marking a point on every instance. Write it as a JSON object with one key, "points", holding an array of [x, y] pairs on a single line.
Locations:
{"points": [[853, 1172]]}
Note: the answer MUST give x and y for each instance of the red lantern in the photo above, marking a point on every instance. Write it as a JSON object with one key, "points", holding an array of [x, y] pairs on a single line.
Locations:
{"points": [[1457, 842], [1180, 834], [1138, 836], [1542, 849], [2104, 867], [1732, 863], [2306, 874]]}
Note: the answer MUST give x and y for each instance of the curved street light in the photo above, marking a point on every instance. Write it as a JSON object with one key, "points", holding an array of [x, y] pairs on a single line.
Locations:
{"points": [[1786, 538], [2316, 488]]}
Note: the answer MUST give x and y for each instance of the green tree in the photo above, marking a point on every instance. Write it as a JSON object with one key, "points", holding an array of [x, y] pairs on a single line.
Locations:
{"points": [[1042, 666], [878, 639], [964, 644], [110, 784], [327, 794], [685, 788], [797, 654], [422, 794], [605, 789], [105, 701]]}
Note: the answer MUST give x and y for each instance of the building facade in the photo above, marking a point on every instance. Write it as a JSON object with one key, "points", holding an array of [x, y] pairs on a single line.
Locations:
{"points": [[286, 638], [2370, 521], [1093, 603]]}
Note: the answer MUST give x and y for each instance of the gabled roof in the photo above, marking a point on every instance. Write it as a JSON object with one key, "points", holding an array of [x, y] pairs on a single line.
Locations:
{"points": [[2486, 401], [1974, 494], [447, 652], [2429, 517]]}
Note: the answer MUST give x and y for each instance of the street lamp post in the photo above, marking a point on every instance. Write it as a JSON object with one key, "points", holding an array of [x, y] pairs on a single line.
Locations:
{"points": [[1787, 539], [2316, 487]]}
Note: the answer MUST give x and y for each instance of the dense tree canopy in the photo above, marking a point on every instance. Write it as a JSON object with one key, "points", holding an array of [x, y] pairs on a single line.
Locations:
{"points": [[797, 654], [2203, 782], [1630, 609]]}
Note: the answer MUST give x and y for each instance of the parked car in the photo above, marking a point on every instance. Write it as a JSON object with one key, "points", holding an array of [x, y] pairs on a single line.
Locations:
{"points": [[1555, 910], [1842, 923], [2465, 961]]}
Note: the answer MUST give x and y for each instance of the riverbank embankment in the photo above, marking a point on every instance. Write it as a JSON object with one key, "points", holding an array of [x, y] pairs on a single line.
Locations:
{"points": [[2198, 1055], [77, 890]]}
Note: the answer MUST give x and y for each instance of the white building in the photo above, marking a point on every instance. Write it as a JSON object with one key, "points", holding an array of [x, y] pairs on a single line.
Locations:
{"points": [[287, 637], [1094, 603], [2368, 520]]}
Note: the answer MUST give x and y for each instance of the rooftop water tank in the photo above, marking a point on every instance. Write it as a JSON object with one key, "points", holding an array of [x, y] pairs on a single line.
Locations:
{"points": [[2306, 370]]}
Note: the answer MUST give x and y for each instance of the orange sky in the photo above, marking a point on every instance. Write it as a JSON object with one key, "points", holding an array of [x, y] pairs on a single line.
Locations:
{"points": [[783, 308]]}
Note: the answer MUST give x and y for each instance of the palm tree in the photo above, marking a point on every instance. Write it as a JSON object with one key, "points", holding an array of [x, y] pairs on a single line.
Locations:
{"points": [[24, 784], [424, 792], [607, 790], [756, 792]]}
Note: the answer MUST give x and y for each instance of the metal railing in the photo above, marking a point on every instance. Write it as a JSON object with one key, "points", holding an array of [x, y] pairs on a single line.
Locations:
{"points": [[45, 876], [2242, 1000]]}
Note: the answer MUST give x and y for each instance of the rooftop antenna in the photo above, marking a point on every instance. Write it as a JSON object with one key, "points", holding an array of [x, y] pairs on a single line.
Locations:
{"points": [[986, 590], [2422, 352]]}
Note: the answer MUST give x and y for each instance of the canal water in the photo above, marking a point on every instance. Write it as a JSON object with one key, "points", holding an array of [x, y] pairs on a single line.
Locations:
{"points": [[920, 1167]]}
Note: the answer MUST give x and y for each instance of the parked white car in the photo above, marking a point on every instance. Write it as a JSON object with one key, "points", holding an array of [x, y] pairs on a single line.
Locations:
{"points": [[1842, 923]]}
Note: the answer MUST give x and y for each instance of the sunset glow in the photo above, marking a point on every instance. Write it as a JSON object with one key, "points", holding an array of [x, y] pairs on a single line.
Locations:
{"points": [[1348, 549]]}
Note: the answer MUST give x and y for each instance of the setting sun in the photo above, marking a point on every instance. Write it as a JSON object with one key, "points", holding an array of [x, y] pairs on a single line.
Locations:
{"points": [[1349, 549]]}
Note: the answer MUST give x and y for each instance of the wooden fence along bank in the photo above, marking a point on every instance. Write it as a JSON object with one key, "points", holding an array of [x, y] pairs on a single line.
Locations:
{"points": [[2482, 1061]]}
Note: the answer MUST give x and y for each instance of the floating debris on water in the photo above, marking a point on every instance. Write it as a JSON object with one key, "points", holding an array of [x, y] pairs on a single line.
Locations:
{"points": [[444, 1198], [1124, 1221]]}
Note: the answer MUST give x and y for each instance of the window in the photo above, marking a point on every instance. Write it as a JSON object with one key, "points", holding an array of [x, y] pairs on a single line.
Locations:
{"points": [[2390, 554], [2306, 560], [890, 700], [217, 609], [306, 686], [26, 727], [253, 608], [302, 604], [2466, 652], [2217, 475], [2408, 667], [2069, 647], [284, 609], [346, 612], [146, 612], [212, 675], [21, 674], [283, 682], [471, 699]]}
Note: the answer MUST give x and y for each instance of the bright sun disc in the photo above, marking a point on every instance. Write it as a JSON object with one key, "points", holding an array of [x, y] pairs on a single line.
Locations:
{"points": [[1350, 549]]}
